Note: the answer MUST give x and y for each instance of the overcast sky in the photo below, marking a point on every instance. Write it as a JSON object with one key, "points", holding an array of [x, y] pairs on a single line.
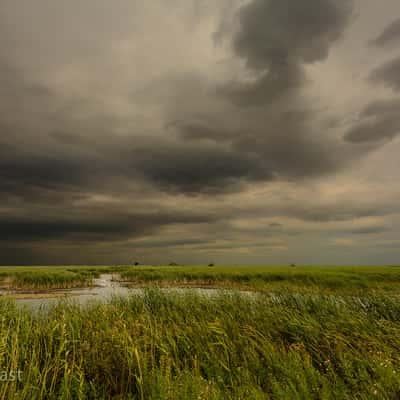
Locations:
{"points": [[196, 131]]}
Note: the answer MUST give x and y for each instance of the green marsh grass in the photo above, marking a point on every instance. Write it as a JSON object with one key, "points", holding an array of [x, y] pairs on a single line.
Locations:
{"points": [[36, 278], [166, 345], [350, 279], [307, 333], [60, 280], [333, 279]]}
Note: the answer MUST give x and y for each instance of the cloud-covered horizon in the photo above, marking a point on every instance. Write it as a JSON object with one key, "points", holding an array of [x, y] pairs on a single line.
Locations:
{"points": [[257, 131]]}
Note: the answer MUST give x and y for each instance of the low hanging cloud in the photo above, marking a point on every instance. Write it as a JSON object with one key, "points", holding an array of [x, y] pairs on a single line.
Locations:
{"points": [[114, 226], [194, 169]]}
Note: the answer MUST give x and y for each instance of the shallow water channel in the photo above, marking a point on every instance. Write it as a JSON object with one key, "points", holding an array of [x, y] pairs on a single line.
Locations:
{"points": [[103, 290]]}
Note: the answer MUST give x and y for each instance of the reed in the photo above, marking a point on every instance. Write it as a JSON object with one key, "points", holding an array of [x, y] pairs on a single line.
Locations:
{"points": [[45, 280], [333, 279], [166, 345], [60, 280]]}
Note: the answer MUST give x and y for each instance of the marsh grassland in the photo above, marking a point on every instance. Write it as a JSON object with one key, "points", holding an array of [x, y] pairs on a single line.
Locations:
{"points": [[305, 333], [45, 278]]}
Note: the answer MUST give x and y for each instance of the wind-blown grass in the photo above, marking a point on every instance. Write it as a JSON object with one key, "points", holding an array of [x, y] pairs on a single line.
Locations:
{"points": [[59, 280], [45, 279], [174, 346], [269, 278], [344, 279]]}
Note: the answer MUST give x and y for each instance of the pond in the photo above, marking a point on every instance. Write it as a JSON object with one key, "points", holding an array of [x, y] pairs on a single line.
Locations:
{"points": [[103, 290]]}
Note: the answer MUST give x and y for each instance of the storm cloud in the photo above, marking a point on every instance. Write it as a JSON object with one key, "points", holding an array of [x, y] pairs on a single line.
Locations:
{"points": [[114, 226], [277, 38], [185, 130]]}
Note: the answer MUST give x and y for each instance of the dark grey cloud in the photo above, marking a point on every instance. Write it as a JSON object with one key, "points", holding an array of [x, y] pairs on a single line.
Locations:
{"points": [[379, 121], [75, 154], [277, 38], [17, 229], [32, 239], [25, 170], [95, 227], [108, 140], [390, 35], [382, 107], [197, 168], [272, 33], [290, 154], [388, 74], [374, 130], [280, 144], [273, 85], [15, 255], [30, 172]]}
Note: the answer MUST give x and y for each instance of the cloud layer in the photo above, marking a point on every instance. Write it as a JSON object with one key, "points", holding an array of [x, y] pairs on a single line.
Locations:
{"points": [[196, 130]]}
